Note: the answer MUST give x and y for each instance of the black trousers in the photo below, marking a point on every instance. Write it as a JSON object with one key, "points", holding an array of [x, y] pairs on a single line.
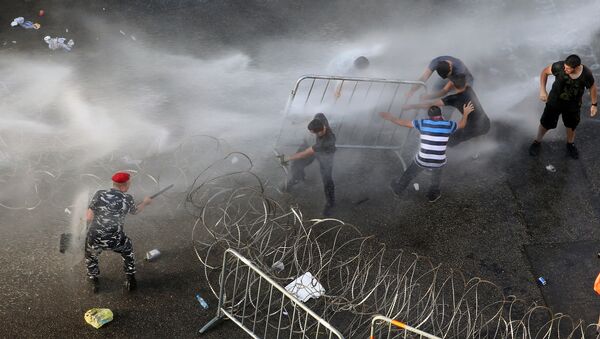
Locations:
{"points": [[325, 161], [399, 184]]}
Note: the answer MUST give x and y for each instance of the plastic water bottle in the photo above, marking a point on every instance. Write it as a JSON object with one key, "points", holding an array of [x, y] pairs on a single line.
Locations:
{"points": [[542, 281], [153, 254], [202, 302]]}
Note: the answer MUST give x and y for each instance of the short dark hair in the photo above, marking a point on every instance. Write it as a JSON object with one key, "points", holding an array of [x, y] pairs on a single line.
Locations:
{"points": [[573, 60], [361, 62], [434, 111], [443, 69], [315, 125], [459, 81]]}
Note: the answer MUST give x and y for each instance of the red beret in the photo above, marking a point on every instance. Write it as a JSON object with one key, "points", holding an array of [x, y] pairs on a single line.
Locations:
{"points": [[120, 177]]}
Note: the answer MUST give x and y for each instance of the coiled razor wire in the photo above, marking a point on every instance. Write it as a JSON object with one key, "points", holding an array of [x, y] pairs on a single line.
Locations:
{"points": [[360, 275], [234, 208]]}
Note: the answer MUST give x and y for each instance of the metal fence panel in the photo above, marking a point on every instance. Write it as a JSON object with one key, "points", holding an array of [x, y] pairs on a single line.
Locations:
{"points": [[352, 106], [261, 307]]}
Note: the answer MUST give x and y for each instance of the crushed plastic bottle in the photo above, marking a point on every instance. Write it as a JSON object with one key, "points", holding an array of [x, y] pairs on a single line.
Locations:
{"points": [[20, 21], [98, 317], [278, 266], [56, 43], [202, 302], [152, 254]]}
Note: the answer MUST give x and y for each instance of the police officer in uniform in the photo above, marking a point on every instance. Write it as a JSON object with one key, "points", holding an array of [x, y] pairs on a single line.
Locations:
{"points": [[106, 215]]}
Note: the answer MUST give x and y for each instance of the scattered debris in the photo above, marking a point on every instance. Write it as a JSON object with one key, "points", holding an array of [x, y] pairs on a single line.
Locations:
{"points": [[234, 159], [202, 302], [416, 186], [133, 38], [68, 211], [25, 24], [122, 33], [550, 168], [56, 43], [305, 287], [542, 281], [41, 12], [14, 42], [278, 266], [98, 316], [66, 30], [152, 254]]}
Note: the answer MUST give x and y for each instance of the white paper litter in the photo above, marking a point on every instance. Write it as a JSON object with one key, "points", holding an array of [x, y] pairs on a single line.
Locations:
{"points": [[550, 168], [416, 185], [305, 287]]}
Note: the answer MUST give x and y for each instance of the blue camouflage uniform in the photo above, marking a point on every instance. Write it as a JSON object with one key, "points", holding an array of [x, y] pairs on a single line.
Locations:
{"points": [[106, 229]]}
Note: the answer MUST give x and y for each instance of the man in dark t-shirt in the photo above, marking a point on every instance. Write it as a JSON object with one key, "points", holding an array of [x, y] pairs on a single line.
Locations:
{"points": [[571, 80], [322, 150], [449, 69], [478, 122]]}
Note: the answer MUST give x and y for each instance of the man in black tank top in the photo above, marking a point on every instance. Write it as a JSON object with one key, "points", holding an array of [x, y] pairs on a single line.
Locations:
{"points": [[565, 98]]}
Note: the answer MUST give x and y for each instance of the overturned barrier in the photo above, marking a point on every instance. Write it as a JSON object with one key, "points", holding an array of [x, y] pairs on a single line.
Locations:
{"points": [[244, 292], [395, 329]]}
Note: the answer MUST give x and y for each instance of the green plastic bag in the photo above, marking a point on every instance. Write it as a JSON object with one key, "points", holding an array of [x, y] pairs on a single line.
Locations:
{"points": [[98, 316]]}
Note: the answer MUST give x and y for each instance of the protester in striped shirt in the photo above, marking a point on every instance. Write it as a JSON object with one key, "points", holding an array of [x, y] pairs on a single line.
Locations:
{"points": [[435, 132]]}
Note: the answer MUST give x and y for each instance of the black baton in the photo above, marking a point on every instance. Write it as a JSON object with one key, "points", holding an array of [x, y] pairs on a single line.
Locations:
{"points": [[161, 191]]}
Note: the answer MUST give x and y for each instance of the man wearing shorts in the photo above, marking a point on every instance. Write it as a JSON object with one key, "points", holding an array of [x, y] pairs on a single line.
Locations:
{"points": [[571, 80]]}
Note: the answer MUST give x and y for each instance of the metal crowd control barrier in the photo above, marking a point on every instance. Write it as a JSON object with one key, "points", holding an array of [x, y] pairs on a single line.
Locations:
{"points": [[351, 105], [395, 329], [261, 307]]}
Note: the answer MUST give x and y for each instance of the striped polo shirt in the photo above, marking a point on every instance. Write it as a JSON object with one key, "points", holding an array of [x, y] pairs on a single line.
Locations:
{"points": [[434, 139]]}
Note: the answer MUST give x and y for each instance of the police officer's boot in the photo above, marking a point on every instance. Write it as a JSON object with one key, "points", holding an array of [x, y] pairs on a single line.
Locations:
{"points": [[130, 282], [94, 284]]}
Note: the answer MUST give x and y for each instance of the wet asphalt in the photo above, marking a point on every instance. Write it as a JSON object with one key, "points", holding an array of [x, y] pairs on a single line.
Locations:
{"points": [[502, 217]]}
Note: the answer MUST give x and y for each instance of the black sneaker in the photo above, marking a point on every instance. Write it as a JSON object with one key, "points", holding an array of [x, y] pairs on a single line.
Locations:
{"points": [[130, 282], [572, 151], [94, 284], [535, 147], [434, 196]]}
